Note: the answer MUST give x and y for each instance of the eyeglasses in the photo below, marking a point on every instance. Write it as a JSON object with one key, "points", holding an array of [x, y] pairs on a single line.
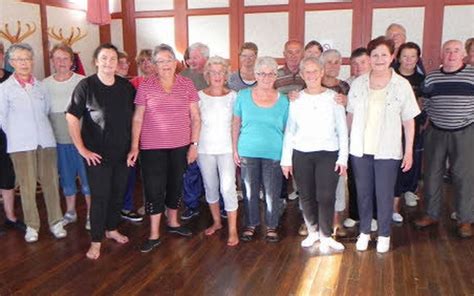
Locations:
{"points": [[162, 62], [216, 73], [22, 60], [266, 75]]}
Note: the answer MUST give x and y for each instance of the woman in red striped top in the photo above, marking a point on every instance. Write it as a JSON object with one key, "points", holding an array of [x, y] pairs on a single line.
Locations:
{"points": [[165, 130]]}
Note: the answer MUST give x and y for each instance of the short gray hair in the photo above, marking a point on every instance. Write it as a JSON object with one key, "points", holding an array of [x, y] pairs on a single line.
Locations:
{"points": [[203, 49], [313, 60], [265, 61], [19, 46], [395, 26], [329, 54], [160, 48], [216, 60]]}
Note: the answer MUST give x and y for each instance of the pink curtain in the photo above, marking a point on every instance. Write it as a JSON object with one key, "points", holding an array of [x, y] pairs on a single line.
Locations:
{"points": [[98, 12]]}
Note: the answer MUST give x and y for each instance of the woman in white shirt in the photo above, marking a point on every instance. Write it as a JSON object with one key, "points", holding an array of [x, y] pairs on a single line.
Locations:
{"points": [[215, 157], [380, 103], [315, 150]]}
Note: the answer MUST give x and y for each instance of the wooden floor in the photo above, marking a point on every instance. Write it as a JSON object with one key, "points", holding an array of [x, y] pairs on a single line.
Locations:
{"points": [[431, 262]]}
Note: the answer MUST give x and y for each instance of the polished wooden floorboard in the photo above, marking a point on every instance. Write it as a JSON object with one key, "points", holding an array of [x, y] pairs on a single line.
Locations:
{"points": [[428, 262]]}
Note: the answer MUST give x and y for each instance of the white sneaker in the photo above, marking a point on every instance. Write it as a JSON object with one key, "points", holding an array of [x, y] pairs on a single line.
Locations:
{"points": [[69, 217], [31, 235], [454, 216], [349, 223], [396, 217], [373, 225], [293, 195], [310, 239], [58, 230], [328, 243], [363, 242], [88, 223], [383, 244], [261, 195], [411, 199]]}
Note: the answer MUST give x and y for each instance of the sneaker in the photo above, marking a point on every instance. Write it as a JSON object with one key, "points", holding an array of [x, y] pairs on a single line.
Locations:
{"points": [[149, 245], [411, 199], [383, 244], [189, 213], [261, 195], [310, 240], [58, 230], [349, 223], [131, 216], [454, 216], [397, 218], [31, 235], [88, 223], [293, 195], [223, 214], [373, 225], [18, 224], [181, 230], [69, 217], [328, 243], [363, 242]]}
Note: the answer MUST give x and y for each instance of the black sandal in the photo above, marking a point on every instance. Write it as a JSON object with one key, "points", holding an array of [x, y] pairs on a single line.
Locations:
{"points": [[272, 236], [248, 234]]}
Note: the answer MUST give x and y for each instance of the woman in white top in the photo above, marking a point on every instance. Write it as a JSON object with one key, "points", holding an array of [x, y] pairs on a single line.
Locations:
{"points": [[215, 146], [315, 149], [380, 103]]}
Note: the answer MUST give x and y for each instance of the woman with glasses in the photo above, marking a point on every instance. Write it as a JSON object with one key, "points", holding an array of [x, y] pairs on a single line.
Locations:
{"points": [[245, 76], [145, 65], [166, 128], [258, 126]]}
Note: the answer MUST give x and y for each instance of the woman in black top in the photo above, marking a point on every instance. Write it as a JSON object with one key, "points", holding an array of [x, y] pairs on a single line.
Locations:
{"points": [[408, 57], [104, 102]]}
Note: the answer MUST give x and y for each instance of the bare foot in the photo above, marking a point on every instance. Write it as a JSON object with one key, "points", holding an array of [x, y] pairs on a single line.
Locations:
{"points": [[233, 240], [94, 251], [211, 230], [116, 236]]}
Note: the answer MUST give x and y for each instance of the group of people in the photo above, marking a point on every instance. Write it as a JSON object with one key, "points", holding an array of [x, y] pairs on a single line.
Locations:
{"points": [[269, 124]]}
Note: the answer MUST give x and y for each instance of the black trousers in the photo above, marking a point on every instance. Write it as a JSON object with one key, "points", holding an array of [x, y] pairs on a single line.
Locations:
{"points": [[108, 183], [317, 181], [162, 173]]}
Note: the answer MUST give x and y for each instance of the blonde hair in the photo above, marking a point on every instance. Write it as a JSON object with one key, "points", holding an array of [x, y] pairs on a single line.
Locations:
{"points": [[216, 60]]}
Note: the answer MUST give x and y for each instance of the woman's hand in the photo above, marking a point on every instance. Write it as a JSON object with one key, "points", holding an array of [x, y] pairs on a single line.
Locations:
{"points": [[192, 154], [132, 157], [237, 159], [341, 99], [287, 171], [90, 157], [342, 169], [293, 95], [407, 162]]}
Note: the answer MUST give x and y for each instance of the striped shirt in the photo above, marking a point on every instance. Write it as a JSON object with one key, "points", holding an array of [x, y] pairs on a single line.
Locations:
{"points": [[449, 98], [167, 118], [287, 81]]}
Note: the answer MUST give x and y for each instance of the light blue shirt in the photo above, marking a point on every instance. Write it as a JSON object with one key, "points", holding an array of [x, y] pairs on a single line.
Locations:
{"points": [[262, 128], [24, 116]]}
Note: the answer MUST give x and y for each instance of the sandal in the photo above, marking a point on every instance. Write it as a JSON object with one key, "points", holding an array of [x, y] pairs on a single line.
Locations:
{"points": [[272, 236], [248, 234]]}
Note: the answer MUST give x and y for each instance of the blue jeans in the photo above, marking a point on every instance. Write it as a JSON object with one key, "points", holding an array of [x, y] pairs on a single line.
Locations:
{"points": [[70, 165], [256, 172]]}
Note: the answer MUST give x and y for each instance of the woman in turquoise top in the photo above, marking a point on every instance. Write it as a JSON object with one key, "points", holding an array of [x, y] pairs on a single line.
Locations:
{"points": [[260, 115]]}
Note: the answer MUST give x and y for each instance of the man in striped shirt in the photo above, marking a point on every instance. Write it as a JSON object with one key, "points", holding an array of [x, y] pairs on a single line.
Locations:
{"points": [[449, 102]]}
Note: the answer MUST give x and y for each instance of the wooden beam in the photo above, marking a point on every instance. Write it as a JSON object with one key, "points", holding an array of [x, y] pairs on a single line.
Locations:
{"points": [[105, 35], [432, 31], [181, 25], [44, 38], [236, 31], [130, 33]]}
